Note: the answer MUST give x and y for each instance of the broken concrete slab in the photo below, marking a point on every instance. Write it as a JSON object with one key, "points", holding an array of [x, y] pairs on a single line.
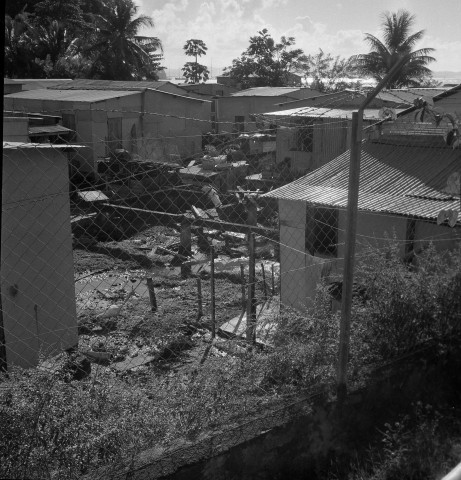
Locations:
{"points": [[134, 362], [266, 322]]}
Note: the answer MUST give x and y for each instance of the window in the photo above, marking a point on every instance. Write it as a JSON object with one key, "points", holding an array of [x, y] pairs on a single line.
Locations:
{"points": [[322, 231], [303, 139], [239, 124]]}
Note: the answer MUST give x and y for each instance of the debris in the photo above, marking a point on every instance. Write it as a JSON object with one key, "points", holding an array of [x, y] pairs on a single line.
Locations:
{"points": [[112, 311], [78, 366], [98, 357]]}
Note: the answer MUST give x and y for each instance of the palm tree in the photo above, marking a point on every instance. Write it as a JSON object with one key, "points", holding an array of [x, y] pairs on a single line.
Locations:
{"points": [[398, 41], [120, 53]]}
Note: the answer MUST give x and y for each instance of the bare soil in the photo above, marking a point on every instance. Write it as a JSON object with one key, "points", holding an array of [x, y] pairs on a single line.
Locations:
{"points": [[114, 309]]}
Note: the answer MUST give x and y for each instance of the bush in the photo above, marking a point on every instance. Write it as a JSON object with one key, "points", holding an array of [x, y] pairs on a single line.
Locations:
{"points": [[425, 444], [408, 304]]}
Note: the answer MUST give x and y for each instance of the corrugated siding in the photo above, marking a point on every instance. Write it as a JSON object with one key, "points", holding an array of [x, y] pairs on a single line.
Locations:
{"points": [[393, 179]]}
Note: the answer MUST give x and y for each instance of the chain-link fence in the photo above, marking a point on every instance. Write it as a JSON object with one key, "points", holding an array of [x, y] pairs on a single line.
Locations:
{"points": [[159, 294]]}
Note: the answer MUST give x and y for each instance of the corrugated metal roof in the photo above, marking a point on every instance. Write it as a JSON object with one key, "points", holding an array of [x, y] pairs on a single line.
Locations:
{"points": [[314, 112], [402, 180], [48, 130], [87, 84], [33, 146], [266, 91], [87, 96]]}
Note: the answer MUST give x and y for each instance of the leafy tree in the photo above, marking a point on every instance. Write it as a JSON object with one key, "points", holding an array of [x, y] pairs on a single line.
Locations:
{"points": [[328, 72], [193, 71], [118, 52], [398, 42], [19, 56], [267, 63]]}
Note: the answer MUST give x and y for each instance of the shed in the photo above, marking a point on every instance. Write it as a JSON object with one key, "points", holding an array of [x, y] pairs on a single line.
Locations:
{"points": [[37, 276], [405, 182]]}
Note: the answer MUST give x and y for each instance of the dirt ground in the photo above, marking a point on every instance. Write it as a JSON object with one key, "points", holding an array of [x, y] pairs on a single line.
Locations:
{"points": [[119, 332]]}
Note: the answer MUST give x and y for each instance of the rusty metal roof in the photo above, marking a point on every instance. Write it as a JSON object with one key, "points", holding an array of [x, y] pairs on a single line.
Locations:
{"points": [[89, 84], [87, 96], [315, 112], [48, 130], [403, 180], [267, 91]]}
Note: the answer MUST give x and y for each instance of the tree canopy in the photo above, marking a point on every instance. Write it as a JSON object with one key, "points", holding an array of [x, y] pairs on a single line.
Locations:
{"points": [[328, 73], [84, 38], [398, 42], [194, 72], [267, 63]]}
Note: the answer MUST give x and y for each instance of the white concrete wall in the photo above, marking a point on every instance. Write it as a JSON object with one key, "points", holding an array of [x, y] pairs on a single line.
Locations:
{"points": [[443, 237], [16, 129], [37, 277], [292, 253]]}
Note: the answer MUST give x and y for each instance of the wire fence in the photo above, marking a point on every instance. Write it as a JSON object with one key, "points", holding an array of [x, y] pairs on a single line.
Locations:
{"points": [[158, 294]]}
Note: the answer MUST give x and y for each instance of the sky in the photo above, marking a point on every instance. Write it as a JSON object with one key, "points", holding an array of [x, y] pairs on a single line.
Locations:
{"points": [[336, 26]]}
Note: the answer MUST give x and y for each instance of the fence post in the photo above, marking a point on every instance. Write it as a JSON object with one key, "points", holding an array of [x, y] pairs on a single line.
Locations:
{"points": [[213, 298], [186, 245], [273, 280], [199, 297], [242, 279], [251, 301], [153, 299], [264, 281]]}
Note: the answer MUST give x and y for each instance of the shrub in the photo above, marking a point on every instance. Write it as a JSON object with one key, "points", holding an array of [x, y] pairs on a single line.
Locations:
{"points": [[408, 304]]}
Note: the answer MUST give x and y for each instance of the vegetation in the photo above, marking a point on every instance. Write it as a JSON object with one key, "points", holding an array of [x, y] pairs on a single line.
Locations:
{"points": [[329, 74], [56, 427], [398, 42], [193, 71], [56, 39], [267, 63], [424, 444]]}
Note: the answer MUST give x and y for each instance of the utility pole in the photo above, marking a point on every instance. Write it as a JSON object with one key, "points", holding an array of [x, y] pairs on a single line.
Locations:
{"points": [[351, 230]]}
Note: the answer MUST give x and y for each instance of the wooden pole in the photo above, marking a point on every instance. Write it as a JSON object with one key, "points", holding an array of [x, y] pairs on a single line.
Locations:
{"points": [[264, 281], [251, 301], [152, 297], [186, 245], [273, 280], [242, 279], [213, 298], [199, 297]]}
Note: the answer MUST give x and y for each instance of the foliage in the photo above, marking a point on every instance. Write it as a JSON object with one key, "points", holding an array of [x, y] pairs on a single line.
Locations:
{"points": [[57, 39], [54, 427], [118, 51], [398, 42], [328, 72], [424, 444], [408, 304], [267, 63], [193, 71]]}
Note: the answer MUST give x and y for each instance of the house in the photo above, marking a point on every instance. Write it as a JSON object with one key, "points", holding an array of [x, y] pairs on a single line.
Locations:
{"points": [[11, 86], [149, 122], [38, 83], [406, 181], [36, 275], [309, 137], [209, 89], [40, 128], [235, 113]]}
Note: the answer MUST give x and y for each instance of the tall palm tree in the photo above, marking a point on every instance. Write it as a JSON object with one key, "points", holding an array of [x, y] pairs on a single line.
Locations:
{"points": [[398, 41], [120, 53]]}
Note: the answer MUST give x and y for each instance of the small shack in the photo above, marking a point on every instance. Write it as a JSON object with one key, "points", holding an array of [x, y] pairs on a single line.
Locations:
{"points": [[37, 275], [405, 183]]}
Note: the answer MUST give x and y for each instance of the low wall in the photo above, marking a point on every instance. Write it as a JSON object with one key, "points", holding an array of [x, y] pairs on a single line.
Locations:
{"points": [[299, 440]]}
